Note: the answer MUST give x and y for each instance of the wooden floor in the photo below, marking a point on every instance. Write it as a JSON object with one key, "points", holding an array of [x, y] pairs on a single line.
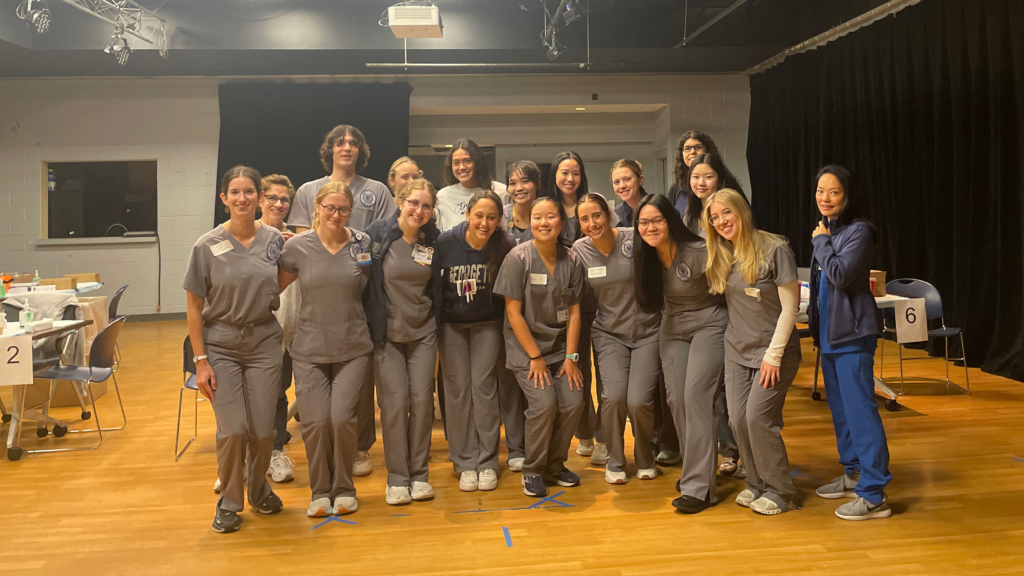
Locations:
{"points": [[129, 508]]}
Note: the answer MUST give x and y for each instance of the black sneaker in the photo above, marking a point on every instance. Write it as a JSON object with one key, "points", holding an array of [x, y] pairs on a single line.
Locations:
{"points": [[566, 479], [226, 522], [270, 505], [691, 505], [534, 487]]}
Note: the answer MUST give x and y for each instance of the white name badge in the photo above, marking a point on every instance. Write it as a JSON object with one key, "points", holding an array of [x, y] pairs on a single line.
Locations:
{"points": [[221, 247], [753, 293], [563, 314], [16, 360], [539, 279], [597, 272], [911, 321], [363, 258], [422, 255]]}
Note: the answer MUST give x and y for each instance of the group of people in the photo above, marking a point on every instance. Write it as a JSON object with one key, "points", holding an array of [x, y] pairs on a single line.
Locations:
{"points": [[504, 295]]}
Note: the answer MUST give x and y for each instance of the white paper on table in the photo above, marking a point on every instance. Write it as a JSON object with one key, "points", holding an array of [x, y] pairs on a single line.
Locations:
{"points": [[16, 360], [911, 321]]}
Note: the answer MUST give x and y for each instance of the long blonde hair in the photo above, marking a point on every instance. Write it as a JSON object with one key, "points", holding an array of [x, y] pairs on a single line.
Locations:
{"points": [[750, 247], [325, 191]]}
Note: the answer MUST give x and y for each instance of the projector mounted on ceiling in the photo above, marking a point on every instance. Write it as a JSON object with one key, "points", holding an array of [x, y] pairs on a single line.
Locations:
{"points": [[415, 20]]}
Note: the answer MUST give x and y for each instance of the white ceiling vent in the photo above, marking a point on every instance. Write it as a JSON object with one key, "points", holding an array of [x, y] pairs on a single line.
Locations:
{"points": [[415, 21]]}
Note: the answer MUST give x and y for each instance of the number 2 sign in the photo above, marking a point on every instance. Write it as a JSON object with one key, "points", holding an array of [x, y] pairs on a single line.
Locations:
{"points": [[16, 360], [911, 321]]}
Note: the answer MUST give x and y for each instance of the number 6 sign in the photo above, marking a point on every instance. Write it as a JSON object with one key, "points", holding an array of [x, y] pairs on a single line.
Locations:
{"points": [[911, 321], [16, 360]]}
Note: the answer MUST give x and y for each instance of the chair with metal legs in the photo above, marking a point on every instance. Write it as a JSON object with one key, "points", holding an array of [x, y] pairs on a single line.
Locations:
{"points": [[111, 314], [912, 288], [188, 369]]}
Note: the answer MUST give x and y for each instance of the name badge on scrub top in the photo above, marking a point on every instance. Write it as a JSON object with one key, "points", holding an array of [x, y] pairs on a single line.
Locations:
{"points": [[597, 272], [753, 293], [221, 247], [539, 279], [422, 255], [363, 258], [562, 314]]}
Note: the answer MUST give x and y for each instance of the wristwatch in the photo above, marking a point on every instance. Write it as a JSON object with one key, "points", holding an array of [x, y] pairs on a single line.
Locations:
{"points": [[196, 359], [574, 357]]}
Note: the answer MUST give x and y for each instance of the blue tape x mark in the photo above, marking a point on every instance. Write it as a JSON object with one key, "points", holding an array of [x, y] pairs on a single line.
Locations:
{"points": [[553, 499], [333, 519]]}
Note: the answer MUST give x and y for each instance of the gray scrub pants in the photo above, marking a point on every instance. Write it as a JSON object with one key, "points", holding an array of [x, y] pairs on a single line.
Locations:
{"points": [[365, 413], [327, 395], [630, 382], [693, 370], [755, 415], [246, 361], [405, 384], [726, 442], [512, 405], [552, 414], [590, 419], [469, 354]]}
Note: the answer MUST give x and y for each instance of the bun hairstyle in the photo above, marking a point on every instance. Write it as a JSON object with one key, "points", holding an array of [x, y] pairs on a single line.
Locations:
{"points": [[325, 191], [596, 199]]}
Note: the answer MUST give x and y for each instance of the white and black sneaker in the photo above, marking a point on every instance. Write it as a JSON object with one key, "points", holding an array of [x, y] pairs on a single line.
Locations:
{"points": [[270, 505], [226, 522], [533, 486]]}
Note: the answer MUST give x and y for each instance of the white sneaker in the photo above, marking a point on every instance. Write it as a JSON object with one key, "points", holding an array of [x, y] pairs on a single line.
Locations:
{"points": [[216, 486], [344, 505], [363, 466], [647, 474], [397, 495], [516, 464], [745, 498], [281, 467], [488, 479], [600, 456], [422, 491], [614, 477], [469, 482], [585, 447], [319, 508]]}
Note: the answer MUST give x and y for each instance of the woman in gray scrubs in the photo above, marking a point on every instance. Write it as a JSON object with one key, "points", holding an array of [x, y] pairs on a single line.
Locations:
{"points": [[331, 351], [670, 277], [542, 282], [403, 326], [523, 184], [757, 273], [232, 287], [625, 339]]}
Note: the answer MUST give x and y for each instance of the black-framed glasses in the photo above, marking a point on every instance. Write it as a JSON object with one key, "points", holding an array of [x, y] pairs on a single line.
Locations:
{"points": [[284, 200], [695, 148], [330, 210]]}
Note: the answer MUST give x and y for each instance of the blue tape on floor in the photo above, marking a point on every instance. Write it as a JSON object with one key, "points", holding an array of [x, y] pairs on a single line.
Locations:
{"points": [[508, 537], [333, 519], [1017, 459]]}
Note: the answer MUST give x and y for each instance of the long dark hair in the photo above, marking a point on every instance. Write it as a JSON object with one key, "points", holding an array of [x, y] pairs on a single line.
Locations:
{"points": [[695, 205], [581, 190], [499, 244], [681, 169], [648, 282], [481, 170], [852, 209]]}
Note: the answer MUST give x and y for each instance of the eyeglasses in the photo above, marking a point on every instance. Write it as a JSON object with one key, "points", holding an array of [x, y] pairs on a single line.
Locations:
{"points": [[718, 219], [644, 223], [330, 210], [417, 205], [284, 200], [694, 148]]}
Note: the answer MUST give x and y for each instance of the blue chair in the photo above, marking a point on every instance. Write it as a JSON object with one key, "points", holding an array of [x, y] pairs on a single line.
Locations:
{"points": [[912, 288], [112, 313], [188, 368]]}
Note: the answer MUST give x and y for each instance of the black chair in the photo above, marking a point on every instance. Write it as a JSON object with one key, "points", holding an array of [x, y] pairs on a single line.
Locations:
{"points": [[912, 288], [111, 314], [188, 369], [100, 368]]}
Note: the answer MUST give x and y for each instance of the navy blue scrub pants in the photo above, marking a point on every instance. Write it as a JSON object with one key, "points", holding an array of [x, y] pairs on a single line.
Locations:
{"points": [[860, 436]]}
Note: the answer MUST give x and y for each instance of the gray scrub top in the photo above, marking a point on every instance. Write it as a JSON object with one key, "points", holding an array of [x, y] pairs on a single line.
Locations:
{"points": [[518, 236], [239, 285], [523, 277], [332, 323], [611, 277], [410, 306], [372, 201], [689, 306], [752, 320]]}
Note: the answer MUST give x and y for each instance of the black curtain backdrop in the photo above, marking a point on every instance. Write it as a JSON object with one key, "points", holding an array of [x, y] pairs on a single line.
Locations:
{"points": [[927, 109], [278, 128]]}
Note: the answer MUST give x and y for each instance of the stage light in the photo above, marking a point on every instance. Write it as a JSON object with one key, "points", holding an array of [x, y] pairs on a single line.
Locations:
{"points": [[550, 39], [36, 14], [119, 49], [574, 10]]}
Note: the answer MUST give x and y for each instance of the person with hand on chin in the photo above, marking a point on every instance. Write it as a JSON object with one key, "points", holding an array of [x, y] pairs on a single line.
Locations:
{"points": [[542, 282], [756, 271], [843, 319], [232, 293]]}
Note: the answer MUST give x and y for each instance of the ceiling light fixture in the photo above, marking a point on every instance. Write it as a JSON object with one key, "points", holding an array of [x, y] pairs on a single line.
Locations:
{"points": [[36, 14], [581, 109], [118, 48], [574, 10]]}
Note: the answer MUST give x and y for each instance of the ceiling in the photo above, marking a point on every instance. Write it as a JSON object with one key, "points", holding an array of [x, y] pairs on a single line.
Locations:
{"points": [[341, 37]]}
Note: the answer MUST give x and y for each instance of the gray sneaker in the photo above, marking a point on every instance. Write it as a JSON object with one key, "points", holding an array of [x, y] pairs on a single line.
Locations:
{"points": [[861, 509], [841, 487]]}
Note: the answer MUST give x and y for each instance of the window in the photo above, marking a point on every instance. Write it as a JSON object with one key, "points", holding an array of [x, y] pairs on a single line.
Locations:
{"points": [[99, 199]]}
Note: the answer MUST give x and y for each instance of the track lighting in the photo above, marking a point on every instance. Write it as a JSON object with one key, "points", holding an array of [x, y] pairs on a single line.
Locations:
{"points": [[36, 14], [119, 49]]}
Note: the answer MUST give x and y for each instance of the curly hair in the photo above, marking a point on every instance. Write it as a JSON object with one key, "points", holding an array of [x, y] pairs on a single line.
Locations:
{"points": [[681, 169], [327, 148]]}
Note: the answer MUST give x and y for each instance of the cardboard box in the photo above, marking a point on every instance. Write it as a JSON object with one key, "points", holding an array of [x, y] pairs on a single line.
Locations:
{"points": [[80, 278], [878, 276], [60, 283], [22, 278]]}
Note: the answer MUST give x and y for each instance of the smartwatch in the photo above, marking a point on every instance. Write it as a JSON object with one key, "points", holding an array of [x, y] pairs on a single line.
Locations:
{"points": [[574, 357], [196, 359]]}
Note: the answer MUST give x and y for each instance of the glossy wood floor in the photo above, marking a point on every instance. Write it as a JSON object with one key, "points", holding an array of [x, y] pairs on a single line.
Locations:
{"points": [[129, 508]]}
